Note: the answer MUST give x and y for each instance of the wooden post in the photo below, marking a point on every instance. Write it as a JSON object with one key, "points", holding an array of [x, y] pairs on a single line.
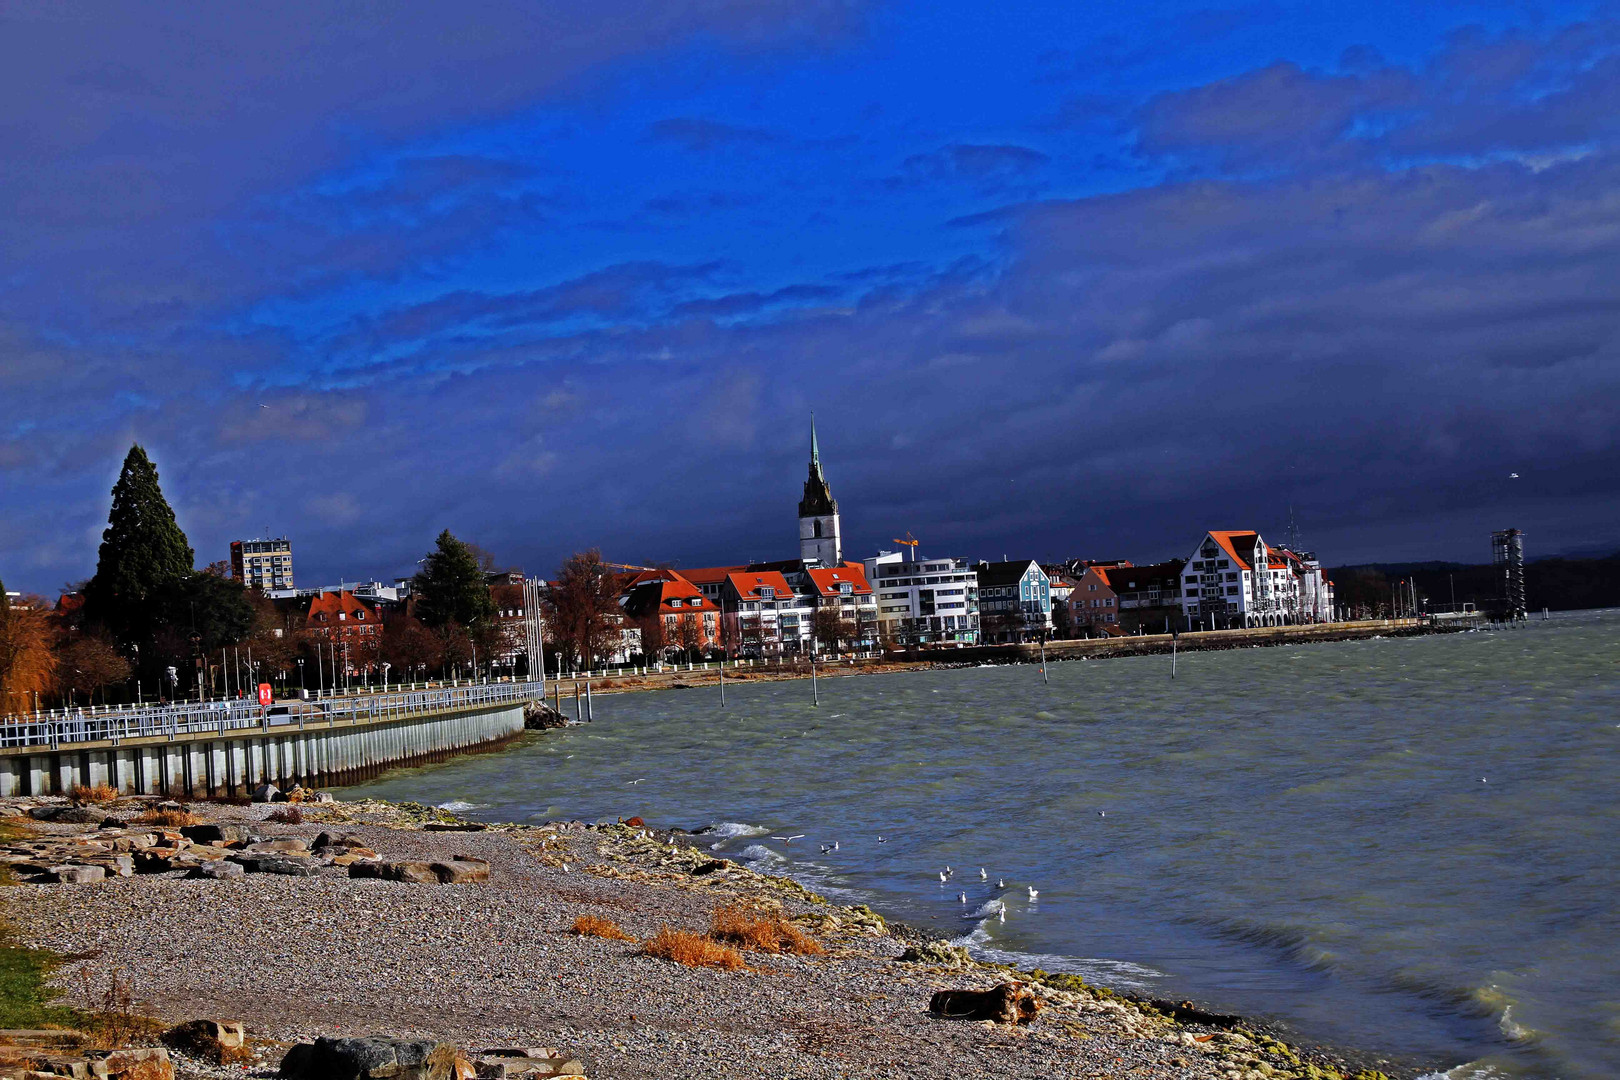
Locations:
{"points": [[1173, 640], [1044, 680], [590, 705]]}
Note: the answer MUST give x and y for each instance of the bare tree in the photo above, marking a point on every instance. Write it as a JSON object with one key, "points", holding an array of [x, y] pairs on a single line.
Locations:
{"points": [[89, 663], [584, 605]]}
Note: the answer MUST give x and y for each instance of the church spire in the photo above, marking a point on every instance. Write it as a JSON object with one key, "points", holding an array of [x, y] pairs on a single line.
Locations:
{"points": [[818, 500], [815, 447]]}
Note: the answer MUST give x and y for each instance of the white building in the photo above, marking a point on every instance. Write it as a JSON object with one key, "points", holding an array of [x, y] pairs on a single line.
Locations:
{"points": [[1235, 579], [924, 600]]}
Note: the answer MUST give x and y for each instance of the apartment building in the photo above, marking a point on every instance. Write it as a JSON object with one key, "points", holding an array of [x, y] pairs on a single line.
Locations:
{"points": [[262, 564], [922, 601]]}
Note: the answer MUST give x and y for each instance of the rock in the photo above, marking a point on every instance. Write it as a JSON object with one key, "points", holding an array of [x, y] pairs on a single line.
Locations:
{"points": [[213, 834], [218, 870], [938, 953], [351, 856], [115, 865], [76, 874], [461, 870], [143, 1063], [266, 793], [277, 863], [287, 845], [1009, 1003], [712, 866], [373, 1058], [501, 1066], [322, 797], [328, 840], [68, 815], [215, 1041], [454, 826], [419, 872], [112, 823]]}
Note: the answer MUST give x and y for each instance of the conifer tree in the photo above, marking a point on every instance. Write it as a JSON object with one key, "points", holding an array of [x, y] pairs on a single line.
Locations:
{"points": [[142, 551], [452, 587]]}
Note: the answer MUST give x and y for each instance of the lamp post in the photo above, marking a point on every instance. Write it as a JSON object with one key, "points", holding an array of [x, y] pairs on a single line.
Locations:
{"points": [[302, 689]]}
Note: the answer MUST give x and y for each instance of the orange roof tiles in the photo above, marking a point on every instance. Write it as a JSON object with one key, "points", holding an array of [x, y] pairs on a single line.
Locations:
{"points": [[829, 581]]}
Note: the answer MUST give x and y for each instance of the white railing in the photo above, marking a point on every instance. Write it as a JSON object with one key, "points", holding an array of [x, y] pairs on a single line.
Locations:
{"points": [[52, 729]]}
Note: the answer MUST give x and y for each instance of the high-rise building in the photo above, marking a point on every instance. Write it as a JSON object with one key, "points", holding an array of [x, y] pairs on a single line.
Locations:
{"points": [[262, 564], [820, 542]]}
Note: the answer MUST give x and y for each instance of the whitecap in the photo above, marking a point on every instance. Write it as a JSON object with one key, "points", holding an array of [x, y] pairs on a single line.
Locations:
{"points": [[456, 806], [758, 855], [728, 830]]}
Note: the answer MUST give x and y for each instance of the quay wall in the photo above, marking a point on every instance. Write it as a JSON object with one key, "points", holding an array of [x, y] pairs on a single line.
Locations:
{"points": [[318, 753]]}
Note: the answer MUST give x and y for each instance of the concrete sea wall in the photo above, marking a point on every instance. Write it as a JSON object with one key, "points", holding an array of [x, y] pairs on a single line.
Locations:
{"points": [[317, 753]]}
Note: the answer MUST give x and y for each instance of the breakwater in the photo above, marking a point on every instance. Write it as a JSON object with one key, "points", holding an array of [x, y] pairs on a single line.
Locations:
{"points": [[228, 750]]}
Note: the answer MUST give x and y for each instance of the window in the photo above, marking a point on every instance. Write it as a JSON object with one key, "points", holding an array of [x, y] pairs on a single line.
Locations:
{"points": [[1231, 590], [767, 593], [818, 528], [342, 616], [1231, 577]]}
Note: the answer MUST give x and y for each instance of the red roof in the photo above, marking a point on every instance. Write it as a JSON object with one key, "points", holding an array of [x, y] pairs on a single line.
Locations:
{"points": [[829, 581], [1233, 540], [709, 575], [749, 582], [666, 591], [334, 604]]}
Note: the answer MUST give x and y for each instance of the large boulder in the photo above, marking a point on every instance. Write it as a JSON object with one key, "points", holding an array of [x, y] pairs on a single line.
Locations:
{"points": [[218, 870], [266, 792], [277, 863], [214, 833], [76, 874], [417, 872], [374, 1058], [461, 870], [68, 815], [141, 1063], [1009, 1003]]}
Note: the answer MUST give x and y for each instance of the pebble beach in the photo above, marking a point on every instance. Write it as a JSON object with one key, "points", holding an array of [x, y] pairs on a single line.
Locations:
{"points": [[496, 962]]}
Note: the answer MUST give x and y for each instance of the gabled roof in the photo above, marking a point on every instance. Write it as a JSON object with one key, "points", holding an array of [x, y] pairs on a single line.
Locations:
{"points": [[1239, 544], [748, 584], [709, 575], [1147, 577], [663, 592], [829, 581], [333, 604], [1004, 573], [1101, 573]]}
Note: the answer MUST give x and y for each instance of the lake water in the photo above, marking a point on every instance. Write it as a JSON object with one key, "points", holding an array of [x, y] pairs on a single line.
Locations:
{"points": [[1404, 845]]}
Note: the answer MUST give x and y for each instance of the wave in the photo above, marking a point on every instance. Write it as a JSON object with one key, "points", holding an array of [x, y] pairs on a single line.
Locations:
{"points": [[729, 830], [457, 806], [759, 857]]}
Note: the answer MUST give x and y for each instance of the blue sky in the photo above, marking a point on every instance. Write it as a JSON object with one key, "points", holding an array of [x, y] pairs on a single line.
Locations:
{"points": [[1057, 282]]}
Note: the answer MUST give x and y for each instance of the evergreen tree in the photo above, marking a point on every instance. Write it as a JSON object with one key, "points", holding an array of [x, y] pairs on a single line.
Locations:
{"points": [[452, 587], [142, 551]]}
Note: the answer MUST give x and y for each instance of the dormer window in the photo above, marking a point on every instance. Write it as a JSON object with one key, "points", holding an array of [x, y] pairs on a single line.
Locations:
{"points": [[767, 593], [342, 616], [360, 615]]}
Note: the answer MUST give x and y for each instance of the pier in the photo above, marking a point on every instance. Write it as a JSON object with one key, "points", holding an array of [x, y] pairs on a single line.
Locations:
{"points": [[217, 749]]}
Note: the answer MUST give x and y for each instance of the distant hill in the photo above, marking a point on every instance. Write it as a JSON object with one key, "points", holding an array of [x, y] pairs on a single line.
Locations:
{"points": [[1557, 583]]}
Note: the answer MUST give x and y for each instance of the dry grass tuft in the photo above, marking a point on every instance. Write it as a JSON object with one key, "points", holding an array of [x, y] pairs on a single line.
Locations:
{"points": [[692, 950], [596, 926], [761, 931], [169, 819], [98, 793], [286, 815]]}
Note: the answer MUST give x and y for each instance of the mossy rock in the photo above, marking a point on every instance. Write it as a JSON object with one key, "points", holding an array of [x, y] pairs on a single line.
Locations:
{"points": [[937, 953]]}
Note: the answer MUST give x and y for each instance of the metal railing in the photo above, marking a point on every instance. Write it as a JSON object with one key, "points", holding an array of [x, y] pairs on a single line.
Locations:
{"points": [[221, 717]]}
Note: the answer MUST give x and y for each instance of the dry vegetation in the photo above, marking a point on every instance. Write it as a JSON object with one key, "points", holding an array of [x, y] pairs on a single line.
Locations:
{"points": [[761, 931], [692, 950], [98, 793], [286, 815], [169, 819], [596, 926]]}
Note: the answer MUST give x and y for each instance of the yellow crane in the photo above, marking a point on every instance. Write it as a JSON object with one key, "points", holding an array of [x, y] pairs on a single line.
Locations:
{"points": [[910, 542]]}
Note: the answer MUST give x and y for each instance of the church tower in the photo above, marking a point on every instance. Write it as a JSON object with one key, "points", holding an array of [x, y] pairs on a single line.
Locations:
{"points": [[820, 541]]}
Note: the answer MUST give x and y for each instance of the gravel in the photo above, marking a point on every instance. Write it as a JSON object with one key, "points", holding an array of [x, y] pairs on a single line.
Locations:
{"points": [[495, 964]]}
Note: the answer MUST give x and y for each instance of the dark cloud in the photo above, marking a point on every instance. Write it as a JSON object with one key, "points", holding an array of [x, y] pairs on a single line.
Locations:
{"points": [[701, 135]]}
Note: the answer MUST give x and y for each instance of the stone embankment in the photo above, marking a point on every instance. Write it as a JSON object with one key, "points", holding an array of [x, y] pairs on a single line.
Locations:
{"points": [[552, 942]]}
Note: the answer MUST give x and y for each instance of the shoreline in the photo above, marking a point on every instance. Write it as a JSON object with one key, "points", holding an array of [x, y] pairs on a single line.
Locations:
{"points": [[494, 963]]}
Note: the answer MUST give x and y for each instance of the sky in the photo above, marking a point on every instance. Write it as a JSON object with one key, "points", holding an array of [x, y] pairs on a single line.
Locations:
{"points": [[1056, 280]]}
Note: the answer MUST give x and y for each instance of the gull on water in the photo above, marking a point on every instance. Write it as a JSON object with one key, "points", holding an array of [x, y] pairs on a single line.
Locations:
{"points": [[943, 877], [1001, 916], [982, 875], [1033, 891], [883, 839], [827, 849], [1000, 883], [633, 782], [962, 896]]}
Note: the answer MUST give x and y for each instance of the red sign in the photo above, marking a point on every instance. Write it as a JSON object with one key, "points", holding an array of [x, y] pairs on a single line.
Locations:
{"points": [[265, 696]]}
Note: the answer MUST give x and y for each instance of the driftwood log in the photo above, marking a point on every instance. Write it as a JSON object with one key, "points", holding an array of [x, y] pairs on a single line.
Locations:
{"points": [[1009, 1003]]}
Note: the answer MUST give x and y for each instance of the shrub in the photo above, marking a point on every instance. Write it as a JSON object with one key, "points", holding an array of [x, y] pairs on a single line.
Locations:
{"points": [[692, 950], [99, 793], [168, 819], [761, 931], [286, 815], [596, 926]]}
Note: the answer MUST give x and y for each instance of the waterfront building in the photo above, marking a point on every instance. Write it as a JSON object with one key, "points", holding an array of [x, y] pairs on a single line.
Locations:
{"points": [[262, 564], [1236, 579], [1094, 605], [1015, 600], [1149, 597], [350, 626], [665, 604], [923, 601]]}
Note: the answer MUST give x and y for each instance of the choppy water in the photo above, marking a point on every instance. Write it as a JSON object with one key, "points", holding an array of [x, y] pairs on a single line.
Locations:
{"points": [[1405, 845]]}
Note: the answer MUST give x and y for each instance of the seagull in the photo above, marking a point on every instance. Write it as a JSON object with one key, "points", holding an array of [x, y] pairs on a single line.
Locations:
{"points": [[1483, 780], [1102, 813], [1001, 916], [982, 875], [788, 839], [1000, 883], [827, 849], [1033, 891], [943, 877], [634, 782], [1513, 476], [262, 405], [883, 839], [962, 896], [565, 868], [948, 870]]}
